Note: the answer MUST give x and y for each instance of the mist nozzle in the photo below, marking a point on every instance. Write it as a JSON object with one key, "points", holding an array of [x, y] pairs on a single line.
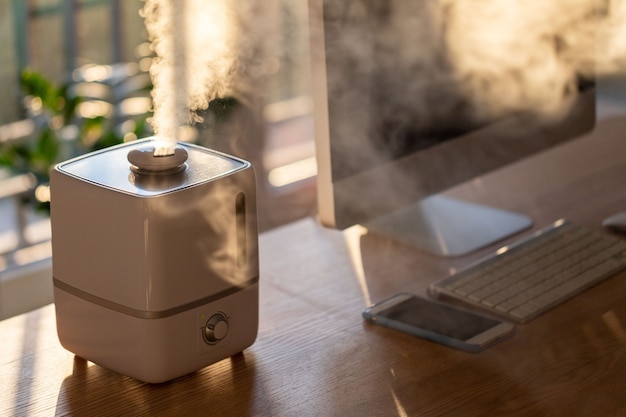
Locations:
{"points": [[153, 160]]}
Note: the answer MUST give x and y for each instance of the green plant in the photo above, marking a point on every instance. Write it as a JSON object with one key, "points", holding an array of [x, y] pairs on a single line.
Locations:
{"points": [[48, 106], [60, 131]]}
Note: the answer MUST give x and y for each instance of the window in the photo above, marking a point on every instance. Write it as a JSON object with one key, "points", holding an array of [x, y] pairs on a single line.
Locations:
{"points": [[56, 36]]}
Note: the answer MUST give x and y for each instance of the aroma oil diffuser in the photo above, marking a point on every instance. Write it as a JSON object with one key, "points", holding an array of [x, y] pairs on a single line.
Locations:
{"points": [[155, 258]]}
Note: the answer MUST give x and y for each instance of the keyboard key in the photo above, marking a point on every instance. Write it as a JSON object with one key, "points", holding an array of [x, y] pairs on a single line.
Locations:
{"points": [[537, 273]]}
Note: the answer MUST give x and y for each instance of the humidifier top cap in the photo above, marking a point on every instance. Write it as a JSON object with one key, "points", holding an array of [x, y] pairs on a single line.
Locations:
{"points": [[129, 167], [152, 159]]}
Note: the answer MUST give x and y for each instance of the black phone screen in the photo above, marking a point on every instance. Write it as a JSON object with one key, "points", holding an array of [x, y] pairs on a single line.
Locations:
{"points": [[439, 318]]}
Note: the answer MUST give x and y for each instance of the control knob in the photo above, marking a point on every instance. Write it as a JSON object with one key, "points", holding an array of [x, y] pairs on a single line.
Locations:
{"points": [[216, 328]]}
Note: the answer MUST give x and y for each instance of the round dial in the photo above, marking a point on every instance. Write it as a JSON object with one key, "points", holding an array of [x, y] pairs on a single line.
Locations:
{"points": [[216, 328]]}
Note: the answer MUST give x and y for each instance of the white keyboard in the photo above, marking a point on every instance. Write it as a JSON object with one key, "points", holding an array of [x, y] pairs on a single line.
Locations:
{"points": [[523, 281]]}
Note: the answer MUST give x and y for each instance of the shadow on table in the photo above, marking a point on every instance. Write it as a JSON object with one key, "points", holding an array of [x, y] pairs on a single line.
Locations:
{"points": [[225, 388]]}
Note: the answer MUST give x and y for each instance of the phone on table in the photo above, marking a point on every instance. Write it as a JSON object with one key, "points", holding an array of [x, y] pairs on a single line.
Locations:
{"points": [[438, 322]]}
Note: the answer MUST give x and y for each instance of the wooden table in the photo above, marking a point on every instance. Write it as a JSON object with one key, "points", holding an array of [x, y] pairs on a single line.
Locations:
{"points": [[315, 356]]}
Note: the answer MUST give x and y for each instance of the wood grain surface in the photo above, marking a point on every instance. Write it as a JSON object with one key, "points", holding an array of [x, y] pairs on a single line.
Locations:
{"points": [[315, 356]]}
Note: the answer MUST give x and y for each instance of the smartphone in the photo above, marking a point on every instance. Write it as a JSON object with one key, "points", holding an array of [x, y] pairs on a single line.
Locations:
{"points": [[438, 322]]}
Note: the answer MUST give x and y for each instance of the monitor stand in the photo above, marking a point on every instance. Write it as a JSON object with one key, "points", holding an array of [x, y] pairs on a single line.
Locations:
{"points": [[449, 227]]}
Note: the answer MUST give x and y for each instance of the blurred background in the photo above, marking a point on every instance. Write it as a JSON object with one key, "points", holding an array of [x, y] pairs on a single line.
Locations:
{"points": [[74, 77]]}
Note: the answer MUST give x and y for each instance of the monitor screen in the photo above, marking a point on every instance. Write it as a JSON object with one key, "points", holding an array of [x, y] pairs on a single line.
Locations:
{"points": [[402, 112]]}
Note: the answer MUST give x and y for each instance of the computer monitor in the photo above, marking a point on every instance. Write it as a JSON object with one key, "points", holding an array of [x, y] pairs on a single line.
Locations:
{"points": [[385, 152]]}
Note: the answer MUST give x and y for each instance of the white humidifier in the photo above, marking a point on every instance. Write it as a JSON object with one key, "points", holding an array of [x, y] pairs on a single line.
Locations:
{"points": [[155, 258]]}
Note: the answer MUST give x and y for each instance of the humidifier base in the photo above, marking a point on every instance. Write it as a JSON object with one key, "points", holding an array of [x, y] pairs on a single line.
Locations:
{"points": [[157, 349]]}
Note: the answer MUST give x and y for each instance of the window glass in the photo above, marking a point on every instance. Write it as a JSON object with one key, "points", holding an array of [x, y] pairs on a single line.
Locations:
{"points": [[8, 70], [95, 41], [133, 31], [38, 4], [46, 47]]}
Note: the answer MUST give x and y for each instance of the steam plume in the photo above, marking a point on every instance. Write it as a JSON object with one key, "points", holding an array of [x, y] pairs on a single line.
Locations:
{"points": [[514, 54], [204, 49], [434, 68]]}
